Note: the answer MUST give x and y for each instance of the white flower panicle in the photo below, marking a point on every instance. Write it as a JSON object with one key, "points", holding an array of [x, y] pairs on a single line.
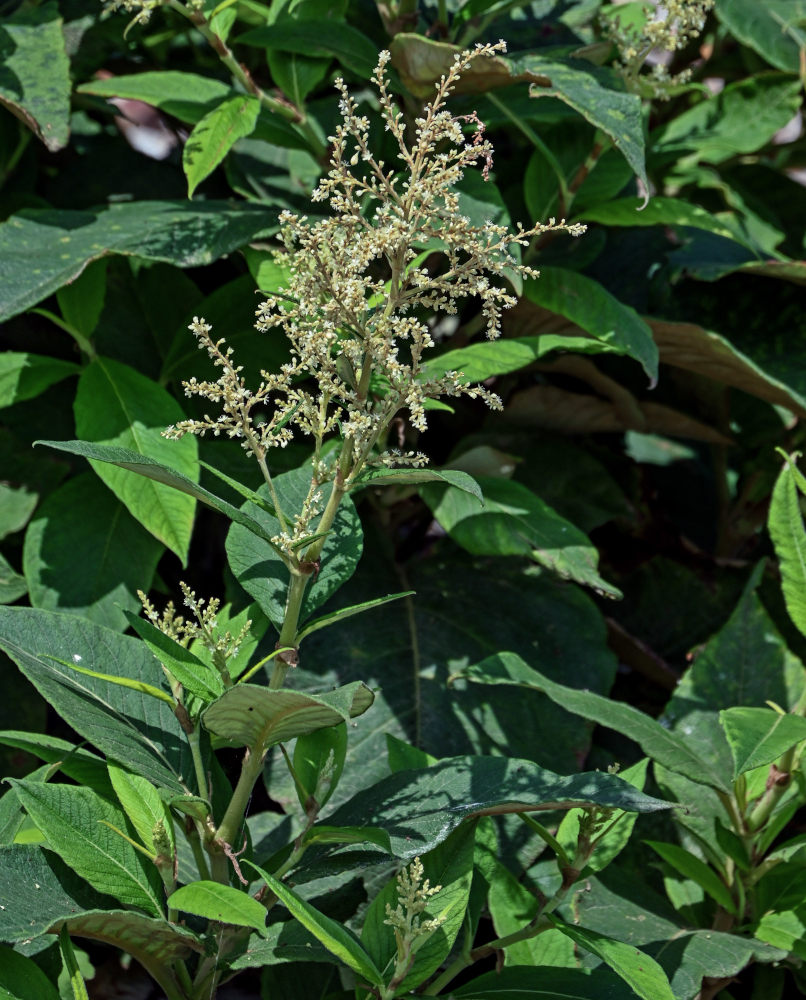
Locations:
{"points": [[405, 919]]}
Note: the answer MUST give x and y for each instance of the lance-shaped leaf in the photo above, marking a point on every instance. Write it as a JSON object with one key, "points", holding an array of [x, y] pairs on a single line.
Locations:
{"points": [[219, 902], [78, 825], [417, 477], [196, 677], [758, 736], [789, 538], [22, 978], [333, 935], [657, 742], [124, 458], [250, 715], [24, 376], [420, 808], [142, 804], [119, 721], [640, 971], [215, 135], [691, 867], [355, 609]]}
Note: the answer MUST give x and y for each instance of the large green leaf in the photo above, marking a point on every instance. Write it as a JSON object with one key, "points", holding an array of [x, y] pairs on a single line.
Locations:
{"points": [[513, 521], [336, 938], [116, 405], [420, 808], [313, 38], [589, 305], [145, 938], [174, 232], [35, 72], [450, 865], [776, 29], [142, 732], [198, 678], [520, 981], [221, 903], [22, 978], [77, 824], [143, 805], [656, 741], [758, 736], [642, 974], [215, 135], [23, 376], [739, 119], [250, 715], [261, 571], [117, 555], [593, 91], [789, 538], [124, 458]]}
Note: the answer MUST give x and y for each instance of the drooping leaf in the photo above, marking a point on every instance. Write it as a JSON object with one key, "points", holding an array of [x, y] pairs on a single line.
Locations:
{"points": [[74, 820], [214, 136], [174, 232], [261, 571], [132, 461], [118, 556], [333, 935], [758, 736], [776, 29], [789, 538], [219, 902], [514, 521], [593, 91], [35, 72], [600, 314], [119, 721], [641, 972], [342, 613], [656, 741], [450, 865], [24, 376], [250, 715], [412, 477], [142, 804], [145, 938], [420, 808], [117, 406]]}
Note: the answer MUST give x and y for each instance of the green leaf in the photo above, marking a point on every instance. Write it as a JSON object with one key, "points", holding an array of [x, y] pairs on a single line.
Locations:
{"points": [[335, 937], [125, 682], [789, 538], [410, 477], [513, 521], [12, 584], [419, 809], [516, 982], [785, 930], [25, 376], [450, 865], [402, 756], [641, 973], [120, 722], [351, 47], [613, 837], [654, 739], [116, 405], [343, 613], [282, 943], [586, 303], [296, 75], [35, 72], [742, 118], [82, 300], [197, 677], [758, 736], [313, 752], [220, 903], [74, 821], [776, 29], [250, 715], [76, 762], [215, 135], [132, 461], [117, 555], [261, 571], [593, 91], [142, 804], [23, 979], [175, 232], [146, 939], [690, 866]]}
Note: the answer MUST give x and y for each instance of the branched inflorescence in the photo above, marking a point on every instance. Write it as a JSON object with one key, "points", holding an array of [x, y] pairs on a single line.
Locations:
{"points": [[363, 288], [667, 29]]}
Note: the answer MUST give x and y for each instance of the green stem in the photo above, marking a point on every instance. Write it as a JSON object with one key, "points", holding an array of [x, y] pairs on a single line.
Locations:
{"points": [[778, 783], [552, 841], [77, 985], [198, 764], [230, 826], [199, 856]]}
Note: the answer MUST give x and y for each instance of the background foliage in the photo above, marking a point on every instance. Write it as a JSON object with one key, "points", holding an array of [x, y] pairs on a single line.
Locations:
{"points": [[647, 376]]}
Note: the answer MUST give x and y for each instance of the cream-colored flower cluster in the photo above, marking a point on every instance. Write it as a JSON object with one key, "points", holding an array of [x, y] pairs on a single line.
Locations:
{"points": [[405, 919], [667, 28]]}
